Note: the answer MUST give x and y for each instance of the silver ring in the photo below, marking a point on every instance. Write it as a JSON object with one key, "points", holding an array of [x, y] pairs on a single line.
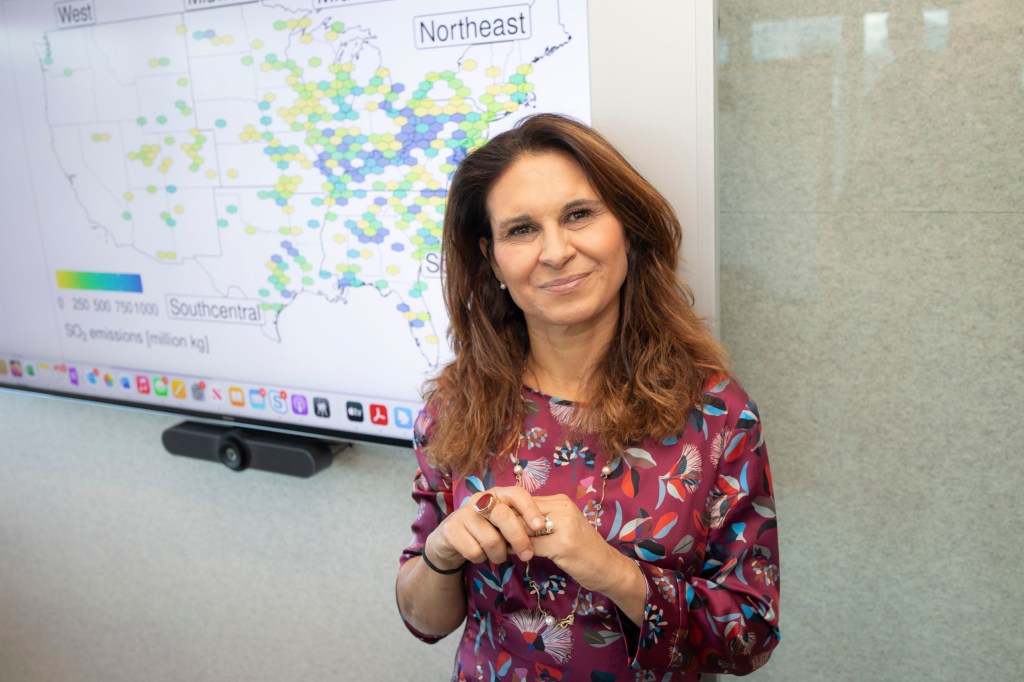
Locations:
{"points": [[549, 526]]}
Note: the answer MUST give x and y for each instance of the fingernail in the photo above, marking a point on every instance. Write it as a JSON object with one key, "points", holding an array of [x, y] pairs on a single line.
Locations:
{"points": [[537, 522], [526, 555]]}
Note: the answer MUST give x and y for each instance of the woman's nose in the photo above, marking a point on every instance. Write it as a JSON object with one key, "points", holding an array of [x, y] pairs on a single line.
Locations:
{"points": [[556, 247]]}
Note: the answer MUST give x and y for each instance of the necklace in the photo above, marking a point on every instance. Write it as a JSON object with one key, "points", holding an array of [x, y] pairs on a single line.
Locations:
{"points": [[593, 519]]}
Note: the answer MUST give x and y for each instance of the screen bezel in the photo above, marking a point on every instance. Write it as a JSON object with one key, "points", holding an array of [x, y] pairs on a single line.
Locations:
{"points": [[228, 421]]}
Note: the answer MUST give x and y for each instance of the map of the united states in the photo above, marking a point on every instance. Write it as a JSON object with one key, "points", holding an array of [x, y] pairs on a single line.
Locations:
{"points": [[288, 149]]}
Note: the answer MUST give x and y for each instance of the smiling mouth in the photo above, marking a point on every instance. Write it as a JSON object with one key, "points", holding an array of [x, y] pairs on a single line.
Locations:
{"points": [[565, 284]]}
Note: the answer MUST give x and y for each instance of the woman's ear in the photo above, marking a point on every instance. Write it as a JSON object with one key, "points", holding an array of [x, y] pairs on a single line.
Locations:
{"points": [[485, 249]]}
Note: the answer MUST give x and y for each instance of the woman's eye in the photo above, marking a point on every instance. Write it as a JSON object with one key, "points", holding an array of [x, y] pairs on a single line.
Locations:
{"points": [[579, 214], [517, 231]]}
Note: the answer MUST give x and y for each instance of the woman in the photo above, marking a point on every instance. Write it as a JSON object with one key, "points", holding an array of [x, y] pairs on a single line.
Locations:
{"points": [[594, 493]]}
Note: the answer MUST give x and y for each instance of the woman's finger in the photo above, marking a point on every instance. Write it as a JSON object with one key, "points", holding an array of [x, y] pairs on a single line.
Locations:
{"points": [[566, 528], [523, 504], [548, 503], [475, 539], [493, 545], [513, 529]]}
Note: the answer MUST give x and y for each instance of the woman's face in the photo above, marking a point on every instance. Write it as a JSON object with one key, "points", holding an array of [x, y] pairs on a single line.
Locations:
{"points": [[556, 246]]}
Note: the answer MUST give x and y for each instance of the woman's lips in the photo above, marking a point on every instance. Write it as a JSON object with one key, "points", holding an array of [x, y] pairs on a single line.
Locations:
{"points": [[564, 285]]}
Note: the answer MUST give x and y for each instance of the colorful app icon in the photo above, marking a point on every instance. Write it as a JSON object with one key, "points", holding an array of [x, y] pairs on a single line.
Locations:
{"points": [[126, 383], [73, 375], [142, 384], [15, 368], [178, 389], [278, 401], [257, 398], [321, 407], [108, 379], [237, 396], [354, 411], [30, 370], [199, 390], [403, 417], [217, 393], [3, 368], [299, 404], [378, 414], [160, 386]]}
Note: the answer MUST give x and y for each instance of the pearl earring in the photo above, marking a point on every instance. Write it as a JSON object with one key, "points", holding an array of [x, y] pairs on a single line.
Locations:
{"points": [[501, 285]]}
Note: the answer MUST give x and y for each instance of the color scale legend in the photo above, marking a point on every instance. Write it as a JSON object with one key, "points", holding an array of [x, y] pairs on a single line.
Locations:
{"points": [[99, 281]]}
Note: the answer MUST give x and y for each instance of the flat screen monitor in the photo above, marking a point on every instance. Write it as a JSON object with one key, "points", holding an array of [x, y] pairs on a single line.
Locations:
{"points": [[232, 210]]}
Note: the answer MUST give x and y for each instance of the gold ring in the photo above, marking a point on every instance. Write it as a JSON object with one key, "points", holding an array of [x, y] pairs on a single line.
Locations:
{"points": [[485, 504]]}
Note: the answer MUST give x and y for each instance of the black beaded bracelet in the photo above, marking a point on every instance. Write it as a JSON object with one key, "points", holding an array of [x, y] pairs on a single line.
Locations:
{"points": [[442, 571]]}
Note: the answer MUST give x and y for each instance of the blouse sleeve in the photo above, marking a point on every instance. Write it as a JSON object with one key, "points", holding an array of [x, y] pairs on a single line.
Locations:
{"points": [[432, 493], [725, 618]]}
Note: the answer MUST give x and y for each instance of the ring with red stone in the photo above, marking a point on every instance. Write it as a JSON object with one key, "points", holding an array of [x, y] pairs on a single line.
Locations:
{"points": [[485, 504]]}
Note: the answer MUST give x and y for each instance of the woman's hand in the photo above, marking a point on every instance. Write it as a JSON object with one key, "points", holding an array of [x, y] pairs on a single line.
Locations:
{"points": [[578, 549], [466, 534], [574, 544]]}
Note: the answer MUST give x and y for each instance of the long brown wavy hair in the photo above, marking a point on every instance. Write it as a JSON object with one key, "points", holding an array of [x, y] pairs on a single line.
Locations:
{"points": [[653, 372]]}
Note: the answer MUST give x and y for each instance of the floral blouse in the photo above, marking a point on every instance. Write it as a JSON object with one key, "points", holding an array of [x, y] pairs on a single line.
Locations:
{"points": [[695, 511]]}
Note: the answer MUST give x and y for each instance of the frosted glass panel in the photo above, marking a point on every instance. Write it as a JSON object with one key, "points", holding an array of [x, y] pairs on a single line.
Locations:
{"points": [[871, 234]]}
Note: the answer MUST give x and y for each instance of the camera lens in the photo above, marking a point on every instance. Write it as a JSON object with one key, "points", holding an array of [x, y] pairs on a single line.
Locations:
{"points": [[233, 454], [232, 457]]}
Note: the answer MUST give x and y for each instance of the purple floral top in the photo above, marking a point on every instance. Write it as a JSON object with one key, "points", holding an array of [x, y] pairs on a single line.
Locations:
{"points": [[697, 514]]}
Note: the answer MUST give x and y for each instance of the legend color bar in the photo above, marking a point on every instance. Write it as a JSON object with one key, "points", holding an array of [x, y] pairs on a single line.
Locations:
{"points": [[99, 281]]}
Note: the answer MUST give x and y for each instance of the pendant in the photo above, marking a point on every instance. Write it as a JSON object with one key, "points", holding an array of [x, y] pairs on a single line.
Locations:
{"points": [[539, 631]]}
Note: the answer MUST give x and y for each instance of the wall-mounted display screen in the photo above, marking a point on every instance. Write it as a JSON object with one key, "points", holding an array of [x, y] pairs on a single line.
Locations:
{"points": [[232, 210]]}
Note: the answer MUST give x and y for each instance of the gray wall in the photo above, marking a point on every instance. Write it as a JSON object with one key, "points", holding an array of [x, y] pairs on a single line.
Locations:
{"points": [[871, 234], [119, 561]]}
